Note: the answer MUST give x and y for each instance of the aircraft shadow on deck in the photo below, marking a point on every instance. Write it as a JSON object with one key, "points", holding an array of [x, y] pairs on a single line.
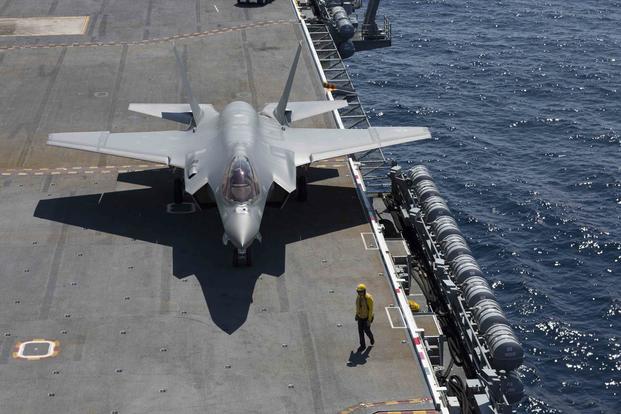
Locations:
{"points": [[196, 239], [253, 5]]}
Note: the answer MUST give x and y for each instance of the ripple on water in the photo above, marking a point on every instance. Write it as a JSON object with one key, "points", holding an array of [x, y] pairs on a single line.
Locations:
{"points": [[523, 102]]}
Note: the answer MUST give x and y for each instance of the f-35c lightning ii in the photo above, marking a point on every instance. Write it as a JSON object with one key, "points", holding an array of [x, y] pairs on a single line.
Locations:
{"points": [[238, 156]]}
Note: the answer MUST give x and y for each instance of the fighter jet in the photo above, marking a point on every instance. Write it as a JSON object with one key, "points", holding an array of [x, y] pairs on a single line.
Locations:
{"points": [[238, 158]]}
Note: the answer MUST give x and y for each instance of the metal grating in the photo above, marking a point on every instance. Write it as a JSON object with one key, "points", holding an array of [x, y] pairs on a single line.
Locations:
{"points": [[373, 164]]}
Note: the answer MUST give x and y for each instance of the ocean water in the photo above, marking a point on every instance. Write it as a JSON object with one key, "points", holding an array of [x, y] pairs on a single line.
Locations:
{"points": [[524, 102]]}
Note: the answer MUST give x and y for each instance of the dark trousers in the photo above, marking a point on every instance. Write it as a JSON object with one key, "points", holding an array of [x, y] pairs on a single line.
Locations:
{"points": [[364, 328]]}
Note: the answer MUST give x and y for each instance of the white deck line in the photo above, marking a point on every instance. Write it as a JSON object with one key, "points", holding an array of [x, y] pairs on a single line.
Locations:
{"points": [[392, 324], [437, 391]]}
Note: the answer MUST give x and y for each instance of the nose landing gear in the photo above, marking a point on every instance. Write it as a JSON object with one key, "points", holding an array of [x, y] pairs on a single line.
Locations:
{"points": [[242, 258]]}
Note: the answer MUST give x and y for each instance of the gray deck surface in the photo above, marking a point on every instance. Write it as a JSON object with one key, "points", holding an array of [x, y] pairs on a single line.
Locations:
{"points": [[149, 313]]}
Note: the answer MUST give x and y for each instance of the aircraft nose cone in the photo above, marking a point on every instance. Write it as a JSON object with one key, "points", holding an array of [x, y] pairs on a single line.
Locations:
{"points": [[241, 230], [241, 238]]}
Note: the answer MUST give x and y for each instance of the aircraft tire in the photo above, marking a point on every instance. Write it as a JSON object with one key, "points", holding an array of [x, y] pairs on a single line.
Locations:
{"points": [[235, 257], [178, 191], [238, 261], [248, 257], [302, 190]]}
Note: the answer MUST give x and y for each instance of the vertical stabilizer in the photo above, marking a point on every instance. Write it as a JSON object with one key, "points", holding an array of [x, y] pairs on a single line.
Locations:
{"points": [[280, 113], [197, 113]]}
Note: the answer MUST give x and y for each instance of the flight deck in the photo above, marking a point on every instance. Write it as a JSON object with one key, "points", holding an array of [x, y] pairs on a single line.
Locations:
{"points": [[140, 302]]}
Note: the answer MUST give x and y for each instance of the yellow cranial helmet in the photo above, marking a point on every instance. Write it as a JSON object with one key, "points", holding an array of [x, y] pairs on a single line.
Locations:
{"points": [[361, 288]]}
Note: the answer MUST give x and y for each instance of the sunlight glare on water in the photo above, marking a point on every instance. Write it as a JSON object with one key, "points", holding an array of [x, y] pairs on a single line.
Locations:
{"points": [[524, 102]]}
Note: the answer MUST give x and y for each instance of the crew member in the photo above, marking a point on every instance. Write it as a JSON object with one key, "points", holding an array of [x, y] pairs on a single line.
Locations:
{"points": [[364, 314]]}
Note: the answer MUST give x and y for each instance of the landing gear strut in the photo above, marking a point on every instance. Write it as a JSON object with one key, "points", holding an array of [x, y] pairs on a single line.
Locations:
{"points": [[178, 191], [242, 258], [302, 190]]}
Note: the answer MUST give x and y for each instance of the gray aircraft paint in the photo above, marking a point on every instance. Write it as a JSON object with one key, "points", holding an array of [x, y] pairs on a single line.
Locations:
{"points": [[206, 149]]}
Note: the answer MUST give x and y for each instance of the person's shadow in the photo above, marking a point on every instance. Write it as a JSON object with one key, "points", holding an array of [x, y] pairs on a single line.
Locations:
{"points": [[359, 357], [196, 239]]}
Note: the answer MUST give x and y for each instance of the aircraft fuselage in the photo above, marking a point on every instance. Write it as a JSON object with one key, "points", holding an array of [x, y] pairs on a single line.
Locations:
{"points": [[241, 185]]}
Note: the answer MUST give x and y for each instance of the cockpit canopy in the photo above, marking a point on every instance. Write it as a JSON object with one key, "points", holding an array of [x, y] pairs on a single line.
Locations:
{"points": [[240, 183]]}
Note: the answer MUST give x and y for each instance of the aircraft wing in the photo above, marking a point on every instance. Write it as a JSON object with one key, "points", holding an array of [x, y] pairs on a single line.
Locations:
{"points": [[311, 144], [306, 109], [166, 147]]}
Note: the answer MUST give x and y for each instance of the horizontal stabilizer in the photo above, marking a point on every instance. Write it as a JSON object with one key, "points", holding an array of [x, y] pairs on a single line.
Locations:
{"points": [[181, 113], [303, 110]]}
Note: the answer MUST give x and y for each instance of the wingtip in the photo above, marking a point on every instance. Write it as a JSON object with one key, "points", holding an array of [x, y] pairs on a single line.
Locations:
{"points": [[53, 140], [427, 133]]}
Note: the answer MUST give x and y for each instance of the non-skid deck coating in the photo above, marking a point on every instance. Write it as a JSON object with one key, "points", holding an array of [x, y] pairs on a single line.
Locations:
{"points": [[149, 315]]}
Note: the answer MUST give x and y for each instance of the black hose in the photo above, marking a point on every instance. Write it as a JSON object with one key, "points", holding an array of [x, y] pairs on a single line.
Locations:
{"points": [[448, 324], [457, 388], [443, 375], [452, 337]]}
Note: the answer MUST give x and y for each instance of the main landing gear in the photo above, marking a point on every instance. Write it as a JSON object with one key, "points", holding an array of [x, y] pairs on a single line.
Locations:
{"points": [[242, 258], [302, 188], [178, 191]]}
